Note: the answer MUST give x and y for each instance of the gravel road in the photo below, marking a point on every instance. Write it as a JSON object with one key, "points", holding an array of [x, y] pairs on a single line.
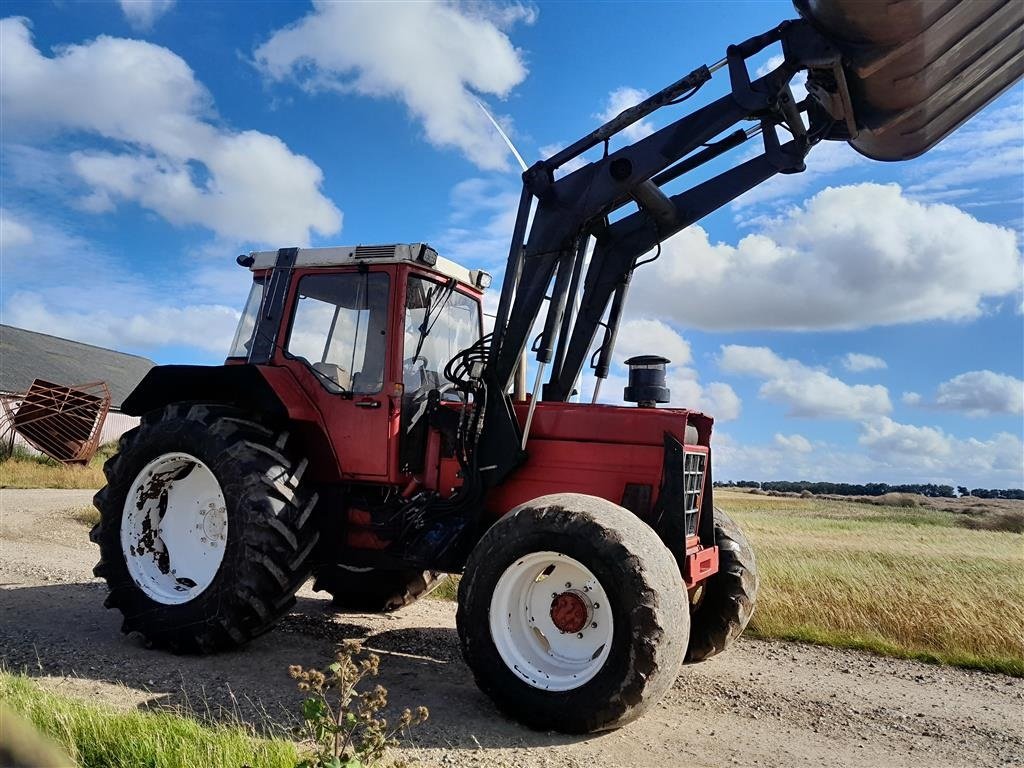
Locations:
{"points": [[760, 704]]}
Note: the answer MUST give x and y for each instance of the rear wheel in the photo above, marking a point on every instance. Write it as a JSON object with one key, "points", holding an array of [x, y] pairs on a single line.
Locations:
{"points": [[727, 602], [372, 590], [572, 614], [205, 528]]}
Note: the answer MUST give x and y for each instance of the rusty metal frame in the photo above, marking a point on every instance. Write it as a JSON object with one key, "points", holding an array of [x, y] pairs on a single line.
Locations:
{"points": [[62, 422]]}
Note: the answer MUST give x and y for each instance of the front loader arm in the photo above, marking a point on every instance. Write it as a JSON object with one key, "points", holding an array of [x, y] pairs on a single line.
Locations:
{"points": [[892, 79], [572, 208]]}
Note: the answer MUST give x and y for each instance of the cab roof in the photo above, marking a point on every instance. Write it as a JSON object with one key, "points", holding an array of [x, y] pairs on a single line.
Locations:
{"points": [[344, 255]]}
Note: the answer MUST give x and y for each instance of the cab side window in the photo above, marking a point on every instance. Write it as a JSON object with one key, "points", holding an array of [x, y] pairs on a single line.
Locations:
{"points": [[339, 329]]}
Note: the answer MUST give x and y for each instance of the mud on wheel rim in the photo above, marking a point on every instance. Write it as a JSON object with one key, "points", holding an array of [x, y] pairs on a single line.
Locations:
{"points": [[551, 621], [174, 528]]}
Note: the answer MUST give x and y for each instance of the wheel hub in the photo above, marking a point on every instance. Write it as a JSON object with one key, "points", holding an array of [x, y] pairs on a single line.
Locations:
{"points": [[570, 611], [174, 528], [551, 621]]}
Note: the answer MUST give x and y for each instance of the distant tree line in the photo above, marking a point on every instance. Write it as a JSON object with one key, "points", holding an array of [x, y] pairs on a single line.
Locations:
{"points": [[877, 489], [993, 493]]}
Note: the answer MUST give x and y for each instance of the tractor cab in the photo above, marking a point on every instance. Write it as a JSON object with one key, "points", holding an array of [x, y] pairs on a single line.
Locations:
{"points": [[366, 333]]}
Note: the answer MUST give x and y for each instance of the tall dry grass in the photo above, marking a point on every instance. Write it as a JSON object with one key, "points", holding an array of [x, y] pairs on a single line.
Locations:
{"points": [[900, 581]]}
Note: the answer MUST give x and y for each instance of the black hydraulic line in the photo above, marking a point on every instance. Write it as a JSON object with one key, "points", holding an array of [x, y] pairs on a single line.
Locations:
{"points": [[568, 314], [512, 269], [559, 293], [573, 203], [698, 159], [622, 242], [611, 332]]}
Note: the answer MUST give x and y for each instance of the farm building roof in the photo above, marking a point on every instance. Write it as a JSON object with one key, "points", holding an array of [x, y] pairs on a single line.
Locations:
{"points": [[27, 355]]}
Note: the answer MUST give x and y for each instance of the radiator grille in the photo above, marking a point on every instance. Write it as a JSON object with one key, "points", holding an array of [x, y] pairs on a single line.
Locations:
{"points": [[693, 481]]}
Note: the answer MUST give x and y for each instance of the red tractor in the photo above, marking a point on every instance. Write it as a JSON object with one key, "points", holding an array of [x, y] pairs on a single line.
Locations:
{"points": [[365, 431]]}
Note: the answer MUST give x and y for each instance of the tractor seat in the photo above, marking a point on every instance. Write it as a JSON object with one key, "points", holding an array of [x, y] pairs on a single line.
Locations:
{"points": [[335, 373]]}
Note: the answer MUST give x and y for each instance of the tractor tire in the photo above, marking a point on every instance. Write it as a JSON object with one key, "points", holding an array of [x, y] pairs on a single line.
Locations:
{"points": [[372, 590], [575, 660], [727, 603], [207, 492]]}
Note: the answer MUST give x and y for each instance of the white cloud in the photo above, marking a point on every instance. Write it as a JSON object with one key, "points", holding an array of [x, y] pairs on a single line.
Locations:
{"points": [[639, 336], [911, 398], [891, 453], [173, 158], [13, 232], [193, 307], [858, 362], [797, 443], [623, 98], [935, 456], [483, 214], [988, 147], [826, 159], [208, 327], [808, 393], [892, 439], [850, 257], [651, 337], [142, 14], [434, 57], [982, 393]]}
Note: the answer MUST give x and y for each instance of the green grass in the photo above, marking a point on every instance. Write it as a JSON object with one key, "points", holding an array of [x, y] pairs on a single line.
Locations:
{"points": [[26, 470], [911, 583], [100, 737]]}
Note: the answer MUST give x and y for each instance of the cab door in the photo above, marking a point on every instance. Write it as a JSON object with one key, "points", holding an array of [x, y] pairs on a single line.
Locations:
{"points": [[337, 346]]}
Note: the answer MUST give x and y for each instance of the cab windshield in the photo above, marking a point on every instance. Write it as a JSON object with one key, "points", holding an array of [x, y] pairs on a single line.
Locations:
{"points": [[247, 323], [439, 323]]}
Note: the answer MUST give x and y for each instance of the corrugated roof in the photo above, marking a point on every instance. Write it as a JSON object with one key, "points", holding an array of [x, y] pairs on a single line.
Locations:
{"points": [[27, 355]]}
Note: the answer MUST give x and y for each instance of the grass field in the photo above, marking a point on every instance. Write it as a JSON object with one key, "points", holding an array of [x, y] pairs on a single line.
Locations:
{"points": [[899, 581], [99, 737], [25, 470]]}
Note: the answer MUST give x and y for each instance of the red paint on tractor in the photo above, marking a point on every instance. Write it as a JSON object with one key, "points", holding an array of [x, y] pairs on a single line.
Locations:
{"points": [[699, 565]]}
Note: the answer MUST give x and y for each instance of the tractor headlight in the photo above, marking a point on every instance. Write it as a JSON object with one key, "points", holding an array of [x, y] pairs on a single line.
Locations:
{"points": [[481, 279]]}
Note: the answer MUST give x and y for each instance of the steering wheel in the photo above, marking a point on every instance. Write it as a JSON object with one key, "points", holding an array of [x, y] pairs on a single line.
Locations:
{"points": [[416, 364]]}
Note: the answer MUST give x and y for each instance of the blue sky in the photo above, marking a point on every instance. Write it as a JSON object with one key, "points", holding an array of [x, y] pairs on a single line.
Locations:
{"points": [[146, 144]]}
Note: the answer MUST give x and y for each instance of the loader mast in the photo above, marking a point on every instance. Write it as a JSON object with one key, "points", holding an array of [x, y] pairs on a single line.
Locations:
{"points": [[890, 79], [546, 257]]}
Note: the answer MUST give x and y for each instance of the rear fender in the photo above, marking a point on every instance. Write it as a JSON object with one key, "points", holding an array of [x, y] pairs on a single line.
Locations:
{"points": [[269, 392]]}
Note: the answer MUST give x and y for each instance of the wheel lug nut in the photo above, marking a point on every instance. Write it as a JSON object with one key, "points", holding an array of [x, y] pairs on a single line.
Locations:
{"points": [[568, 585], [580, 635], [593, 625]]}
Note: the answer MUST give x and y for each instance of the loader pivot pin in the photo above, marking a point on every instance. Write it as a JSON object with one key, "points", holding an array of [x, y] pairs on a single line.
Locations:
{"points": [[569, 612]]}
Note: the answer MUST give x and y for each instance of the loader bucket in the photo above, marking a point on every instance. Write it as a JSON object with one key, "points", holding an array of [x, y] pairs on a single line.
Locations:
{"points": [[917, 69]]}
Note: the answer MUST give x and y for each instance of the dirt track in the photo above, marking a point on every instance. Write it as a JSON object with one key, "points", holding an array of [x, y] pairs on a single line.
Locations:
{"points": [[763, 704]]}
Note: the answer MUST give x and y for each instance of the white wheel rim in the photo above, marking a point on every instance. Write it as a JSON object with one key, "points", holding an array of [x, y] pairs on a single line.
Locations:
{"points": [[534, 592], [174, 528]]}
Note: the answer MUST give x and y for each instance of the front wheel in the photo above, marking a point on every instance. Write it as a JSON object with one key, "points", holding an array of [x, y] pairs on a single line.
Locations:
{"points": [[727, 604], [205, 528], [572, 614]]}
